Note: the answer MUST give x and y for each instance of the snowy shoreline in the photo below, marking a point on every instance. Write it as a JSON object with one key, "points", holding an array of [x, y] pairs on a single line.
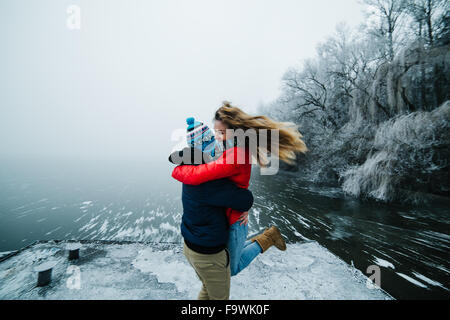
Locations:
{"points": [[136, 270]]}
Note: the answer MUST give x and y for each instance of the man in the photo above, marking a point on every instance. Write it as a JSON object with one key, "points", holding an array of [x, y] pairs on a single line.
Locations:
{"points": [[204, 227]]}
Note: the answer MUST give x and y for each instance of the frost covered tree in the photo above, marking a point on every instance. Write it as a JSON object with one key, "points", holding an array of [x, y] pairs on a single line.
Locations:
{"points": [[352, 61], [362, 83], [429, 17], [309, 88], [385, 17], [323, 89]]}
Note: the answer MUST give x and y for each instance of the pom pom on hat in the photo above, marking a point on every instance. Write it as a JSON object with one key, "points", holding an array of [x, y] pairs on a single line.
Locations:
{"points": [[190, 120], [192, 124]]}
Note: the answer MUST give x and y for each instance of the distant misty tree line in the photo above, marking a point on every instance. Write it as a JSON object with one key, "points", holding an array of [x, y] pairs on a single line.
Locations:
{"points": [[361, 78]]}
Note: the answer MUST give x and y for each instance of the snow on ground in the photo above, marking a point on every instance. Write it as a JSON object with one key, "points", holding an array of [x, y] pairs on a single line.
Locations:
{"points": [[109, 270]]}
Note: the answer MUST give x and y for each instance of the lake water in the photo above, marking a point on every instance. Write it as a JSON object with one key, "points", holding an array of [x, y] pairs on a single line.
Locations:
{"points": [[43, 199]]}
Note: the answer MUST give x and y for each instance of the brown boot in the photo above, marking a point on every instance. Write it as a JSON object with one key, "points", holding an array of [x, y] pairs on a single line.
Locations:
{"points": [[270, 237], [254, 238]]}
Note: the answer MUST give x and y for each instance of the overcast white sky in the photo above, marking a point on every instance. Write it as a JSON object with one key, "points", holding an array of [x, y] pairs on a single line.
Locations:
{"points": [[136, 69]]}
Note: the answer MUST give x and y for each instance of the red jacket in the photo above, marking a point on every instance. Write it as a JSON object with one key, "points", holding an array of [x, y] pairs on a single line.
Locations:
{"points": [[234, 164]]}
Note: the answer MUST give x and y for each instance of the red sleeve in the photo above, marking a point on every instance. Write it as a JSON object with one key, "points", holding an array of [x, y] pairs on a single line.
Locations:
{"points": [[218, 169]]}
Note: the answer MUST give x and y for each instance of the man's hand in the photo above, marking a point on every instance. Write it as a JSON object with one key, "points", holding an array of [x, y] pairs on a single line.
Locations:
{"points": [[243, 218]]}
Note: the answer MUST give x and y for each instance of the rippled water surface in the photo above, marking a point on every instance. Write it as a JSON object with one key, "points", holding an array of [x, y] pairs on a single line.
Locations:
{"points": [[138, 200]]}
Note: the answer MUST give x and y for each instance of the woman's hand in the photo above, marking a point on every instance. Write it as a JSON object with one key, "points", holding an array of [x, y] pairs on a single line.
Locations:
{"points": [[243, 218]]}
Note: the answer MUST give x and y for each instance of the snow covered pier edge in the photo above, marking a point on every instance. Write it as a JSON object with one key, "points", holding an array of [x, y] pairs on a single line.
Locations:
{"points": [[146, 270]]}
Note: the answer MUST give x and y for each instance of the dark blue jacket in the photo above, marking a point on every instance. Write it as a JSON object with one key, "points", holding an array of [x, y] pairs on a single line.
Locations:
{"points": [[204, 223]]}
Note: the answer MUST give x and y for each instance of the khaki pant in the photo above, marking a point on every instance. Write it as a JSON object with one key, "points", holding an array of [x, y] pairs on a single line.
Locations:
{"points": [[213, 271]]}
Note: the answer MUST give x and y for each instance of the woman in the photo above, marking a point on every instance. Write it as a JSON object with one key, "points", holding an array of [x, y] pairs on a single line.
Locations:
{"points": [[243, 252]]}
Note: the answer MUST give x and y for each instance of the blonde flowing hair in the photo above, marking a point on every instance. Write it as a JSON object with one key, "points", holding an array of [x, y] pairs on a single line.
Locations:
{"points": [[290, 139]]}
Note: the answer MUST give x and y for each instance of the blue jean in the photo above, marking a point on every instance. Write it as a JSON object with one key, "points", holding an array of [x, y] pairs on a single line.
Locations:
{"points": [[242, 251]]}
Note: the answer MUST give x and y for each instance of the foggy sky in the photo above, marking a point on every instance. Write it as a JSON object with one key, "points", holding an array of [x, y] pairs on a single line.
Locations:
{"points": [[122, 84]]}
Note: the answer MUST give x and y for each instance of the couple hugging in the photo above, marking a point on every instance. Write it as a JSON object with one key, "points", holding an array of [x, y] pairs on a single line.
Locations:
{"points": [[216, 199]]}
